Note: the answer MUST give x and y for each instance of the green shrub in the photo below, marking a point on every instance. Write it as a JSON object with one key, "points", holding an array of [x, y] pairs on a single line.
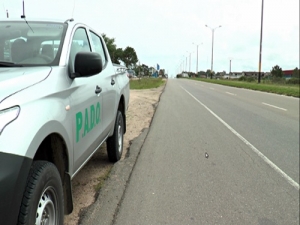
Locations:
{"points": [[266, 81], [278, 80], [250, 79], [293, 81], [243, 78], [266, 86], [247, 79]]}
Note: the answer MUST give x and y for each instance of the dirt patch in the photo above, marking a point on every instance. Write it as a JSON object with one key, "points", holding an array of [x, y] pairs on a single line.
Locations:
{"points": [[89, 180]]}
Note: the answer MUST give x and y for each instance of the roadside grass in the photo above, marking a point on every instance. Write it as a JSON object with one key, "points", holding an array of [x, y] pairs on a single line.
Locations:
{"points": [[102, 179], [146, 83], [289, 90]]}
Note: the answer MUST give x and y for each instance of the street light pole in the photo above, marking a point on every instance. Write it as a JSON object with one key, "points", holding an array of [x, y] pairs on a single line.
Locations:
{"points": [[190, 63], [197, 58], [212, 48], [260, 46], [186, 64], [197, 63], [187, 61], [212, 53]]}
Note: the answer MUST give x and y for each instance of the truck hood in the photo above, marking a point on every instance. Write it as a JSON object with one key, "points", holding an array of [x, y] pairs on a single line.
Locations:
{"points": [[13, 80]]}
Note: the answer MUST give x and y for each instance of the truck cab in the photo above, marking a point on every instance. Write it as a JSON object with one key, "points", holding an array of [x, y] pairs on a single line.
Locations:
{"points": [[61, 98]]}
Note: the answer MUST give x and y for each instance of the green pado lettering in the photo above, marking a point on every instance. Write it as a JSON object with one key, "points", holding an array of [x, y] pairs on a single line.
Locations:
{"points": [[86, 121]]}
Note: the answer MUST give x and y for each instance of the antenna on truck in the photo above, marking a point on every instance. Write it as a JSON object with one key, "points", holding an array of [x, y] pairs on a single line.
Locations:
{"points": [[24, 17], [74, 3], [6, 11]]}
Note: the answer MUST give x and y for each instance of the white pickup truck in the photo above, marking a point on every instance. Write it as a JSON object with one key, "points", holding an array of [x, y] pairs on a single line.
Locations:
{"points": [[60, 99]]}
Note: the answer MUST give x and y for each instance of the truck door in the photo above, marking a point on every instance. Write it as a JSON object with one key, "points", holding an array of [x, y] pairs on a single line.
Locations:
{"points": [[86, 103], [110, 91]]}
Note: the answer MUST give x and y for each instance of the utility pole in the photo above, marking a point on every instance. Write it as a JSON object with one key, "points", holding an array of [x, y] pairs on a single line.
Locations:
{"points": [[260, 46], [230, 66], [7, 16]]}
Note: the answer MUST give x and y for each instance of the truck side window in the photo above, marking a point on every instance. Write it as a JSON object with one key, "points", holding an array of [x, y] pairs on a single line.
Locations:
{"points": [[80, 43], [98, 47]]}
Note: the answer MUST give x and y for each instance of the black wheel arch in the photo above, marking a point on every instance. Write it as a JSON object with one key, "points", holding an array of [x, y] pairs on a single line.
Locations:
{"points": [[53, 149], [122, 109]]}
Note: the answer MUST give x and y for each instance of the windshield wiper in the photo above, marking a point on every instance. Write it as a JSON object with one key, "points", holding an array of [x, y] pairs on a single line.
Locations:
{"points": [[9, 64]]}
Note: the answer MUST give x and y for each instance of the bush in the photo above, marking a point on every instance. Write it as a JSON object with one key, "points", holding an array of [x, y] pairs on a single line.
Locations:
{"points": [[247, 79], [267, 81], [293, 81], [278, 80], [243, 78], [250, 79]]}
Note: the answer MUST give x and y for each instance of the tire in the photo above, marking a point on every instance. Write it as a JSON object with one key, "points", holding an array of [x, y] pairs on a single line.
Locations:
{"points": [[42, 201], [114, 143]]}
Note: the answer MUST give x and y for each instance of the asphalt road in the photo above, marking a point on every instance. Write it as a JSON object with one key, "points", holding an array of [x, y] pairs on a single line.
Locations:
{"points": [[174, 183], [251, 174]]}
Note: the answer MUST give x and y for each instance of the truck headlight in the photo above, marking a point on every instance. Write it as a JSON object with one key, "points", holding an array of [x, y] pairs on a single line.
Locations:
{"points": [[7, 116]]}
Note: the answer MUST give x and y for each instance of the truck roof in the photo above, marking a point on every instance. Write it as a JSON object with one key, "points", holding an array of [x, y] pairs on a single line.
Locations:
{"points": [[37, 20]]}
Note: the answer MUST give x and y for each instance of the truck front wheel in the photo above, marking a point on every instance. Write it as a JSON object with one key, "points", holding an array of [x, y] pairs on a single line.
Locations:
{"points": [[115, 143], [42, 201]]}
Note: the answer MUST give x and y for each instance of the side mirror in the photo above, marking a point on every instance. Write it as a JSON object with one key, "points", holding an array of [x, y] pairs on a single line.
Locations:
{"points": [[87, 64]]}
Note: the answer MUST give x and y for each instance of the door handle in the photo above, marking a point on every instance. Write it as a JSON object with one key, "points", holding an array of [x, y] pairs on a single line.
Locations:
{"points": [[98, 89], [112, 82]]}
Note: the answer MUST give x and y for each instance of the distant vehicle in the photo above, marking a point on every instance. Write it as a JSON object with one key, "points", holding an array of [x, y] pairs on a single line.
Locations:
{"points": [[61, 98], [185, 75], [131, 73]]}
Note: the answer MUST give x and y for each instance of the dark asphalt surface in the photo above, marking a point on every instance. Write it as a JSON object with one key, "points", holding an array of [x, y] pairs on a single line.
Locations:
{"points": [[172, 182]]}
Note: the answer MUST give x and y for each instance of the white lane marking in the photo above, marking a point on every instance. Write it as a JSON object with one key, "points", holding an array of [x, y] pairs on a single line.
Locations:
{"points": [[276, 107], [229, 93], [269, 162]]}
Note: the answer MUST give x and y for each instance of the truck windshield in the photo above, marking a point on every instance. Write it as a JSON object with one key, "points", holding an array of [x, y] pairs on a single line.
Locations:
{"points": [[30, 44]]}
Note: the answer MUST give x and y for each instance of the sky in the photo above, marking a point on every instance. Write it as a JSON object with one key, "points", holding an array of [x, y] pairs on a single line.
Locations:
{"points": [[167, 32]]}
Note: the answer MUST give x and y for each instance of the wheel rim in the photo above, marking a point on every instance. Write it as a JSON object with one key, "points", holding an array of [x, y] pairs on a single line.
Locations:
{"points": [[120, 139], [46, 211]]}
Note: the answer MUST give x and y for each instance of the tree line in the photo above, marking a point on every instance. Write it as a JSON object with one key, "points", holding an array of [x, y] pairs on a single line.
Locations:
{"points": [[276, 75], [128, 55]]}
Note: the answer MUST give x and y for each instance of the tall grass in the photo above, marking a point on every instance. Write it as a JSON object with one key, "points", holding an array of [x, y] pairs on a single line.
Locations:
{"points": [[146, 83], [267, 86]]}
